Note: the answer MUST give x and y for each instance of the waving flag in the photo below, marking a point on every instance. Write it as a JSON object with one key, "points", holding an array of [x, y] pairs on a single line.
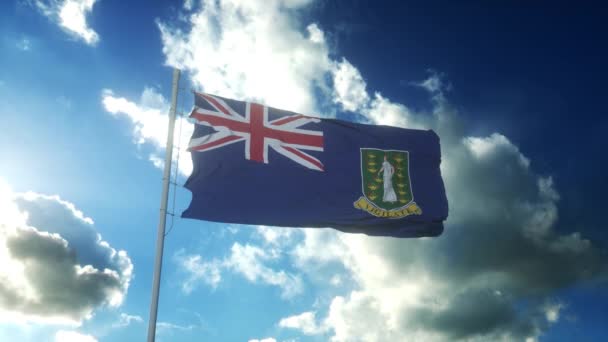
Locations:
{"points": [[259, 165]]}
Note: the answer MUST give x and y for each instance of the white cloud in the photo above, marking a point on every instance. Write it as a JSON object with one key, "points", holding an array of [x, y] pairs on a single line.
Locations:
{"points": [[125, 320], [164, 327], [486, 147], [336, 280], [251, 50], [188, 4], [267, 339], [305, 322], [275, 236], [384, 112], [56, 267], [552, 312], [372, 326], [349, 87], [434, 83], [73, 336], [198, 271], [71, 16], [248, 261], [157, 161], [315, 34], [150, 124], [316, 249], [149, 117]]}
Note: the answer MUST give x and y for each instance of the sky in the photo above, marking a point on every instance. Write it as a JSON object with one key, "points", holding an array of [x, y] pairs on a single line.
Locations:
{"points": [[515, 91]]}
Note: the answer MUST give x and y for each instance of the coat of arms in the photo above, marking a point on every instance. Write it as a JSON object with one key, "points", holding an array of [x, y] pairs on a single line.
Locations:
{"points": [[386, 184]]}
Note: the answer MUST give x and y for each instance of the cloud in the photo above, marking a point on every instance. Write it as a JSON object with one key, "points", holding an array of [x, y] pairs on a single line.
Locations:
{"points": [[349, 87], [73, 336], [150, 124], [499, 251], [56, 267], [552, 312], [188, 4], [251, 50], [246, 260], [71, 16], [167, 325], [198, 271], [164, 327], [267, 339], [125, 320], [435, 83], [274, 236], [384, 112], [305, 322]]}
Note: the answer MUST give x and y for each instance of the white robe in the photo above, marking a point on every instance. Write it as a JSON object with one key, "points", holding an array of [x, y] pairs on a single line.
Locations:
{"points": [[389, 191]]}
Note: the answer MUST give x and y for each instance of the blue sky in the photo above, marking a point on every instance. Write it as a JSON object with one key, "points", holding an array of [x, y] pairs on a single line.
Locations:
{"points": [[515, 91]]}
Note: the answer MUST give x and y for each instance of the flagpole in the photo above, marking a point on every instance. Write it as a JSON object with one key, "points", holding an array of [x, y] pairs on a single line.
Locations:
{"points": [[160, 238]]}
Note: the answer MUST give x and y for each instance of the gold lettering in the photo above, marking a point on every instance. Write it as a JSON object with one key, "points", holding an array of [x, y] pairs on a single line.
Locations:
{"points": [[365, 205]]}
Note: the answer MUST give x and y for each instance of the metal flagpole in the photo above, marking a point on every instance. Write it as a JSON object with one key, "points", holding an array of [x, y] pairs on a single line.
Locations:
{"points": [[160, 238]]}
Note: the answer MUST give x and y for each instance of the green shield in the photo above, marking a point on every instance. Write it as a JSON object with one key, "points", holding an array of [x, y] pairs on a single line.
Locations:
{"points": [[385, 178]]}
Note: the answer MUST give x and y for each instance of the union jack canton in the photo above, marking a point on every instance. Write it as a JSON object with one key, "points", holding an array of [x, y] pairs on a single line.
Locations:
{"points": [[284, 135]]}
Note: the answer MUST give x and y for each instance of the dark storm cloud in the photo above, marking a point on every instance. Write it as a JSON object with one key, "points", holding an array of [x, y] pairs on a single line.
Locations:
{"points": [[476, 312], [64, 269]]}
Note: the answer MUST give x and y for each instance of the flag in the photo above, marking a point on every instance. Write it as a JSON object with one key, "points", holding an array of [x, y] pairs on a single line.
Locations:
{"points": [[259, 165]]}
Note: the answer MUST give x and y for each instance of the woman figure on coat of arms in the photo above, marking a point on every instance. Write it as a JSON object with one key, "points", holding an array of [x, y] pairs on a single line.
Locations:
{"points": [[389, 171]]}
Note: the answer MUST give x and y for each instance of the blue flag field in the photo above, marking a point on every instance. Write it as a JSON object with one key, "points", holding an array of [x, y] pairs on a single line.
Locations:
{"points": [[259, 165]]}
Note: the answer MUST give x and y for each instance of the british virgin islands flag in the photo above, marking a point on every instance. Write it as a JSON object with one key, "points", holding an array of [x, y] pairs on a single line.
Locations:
{"points": [[259, 165]]}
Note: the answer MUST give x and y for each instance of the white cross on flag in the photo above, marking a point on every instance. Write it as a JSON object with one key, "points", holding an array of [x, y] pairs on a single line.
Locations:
{"points": [[283, 135]]}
